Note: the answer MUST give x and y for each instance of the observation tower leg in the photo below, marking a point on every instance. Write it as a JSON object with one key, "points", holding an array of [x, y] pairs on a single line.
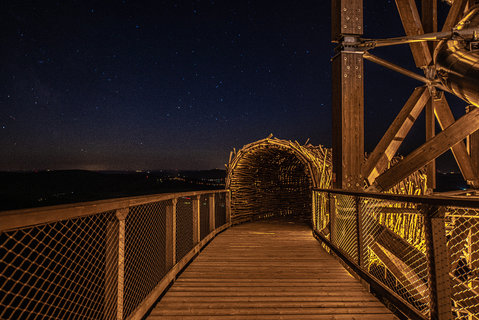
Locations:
{"points": [[347, 94]]}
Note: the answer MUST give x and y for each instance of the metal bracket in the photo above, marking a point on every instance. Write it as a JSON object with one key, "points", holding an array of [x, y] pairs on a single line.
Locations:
{"points": [[350, 43]]}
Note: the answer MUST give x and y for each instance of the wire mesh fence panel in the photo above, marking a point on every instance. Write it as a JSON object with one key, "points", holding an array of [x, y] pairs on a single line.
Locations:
{"points": [[397, 236], [462, 229], [345, 231], [204, 216], [394, 248], [220, 209], [184, 227], [60, 270], [144, 252]]}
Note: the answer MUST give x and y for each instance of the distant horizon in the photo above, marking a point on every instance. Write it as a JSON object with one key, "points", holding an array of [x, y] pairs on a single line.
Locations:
{"points": [[438, 170], [108, 170]]}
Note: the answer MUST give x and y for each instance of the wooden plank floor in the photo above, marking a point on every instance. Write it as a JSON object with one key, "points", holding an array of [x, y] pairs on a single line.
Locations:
{"points": [[267, 270]]}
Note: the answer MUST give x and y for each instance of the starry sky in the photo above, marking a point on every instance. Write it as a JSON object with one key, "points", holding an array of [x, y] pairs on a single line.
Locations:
{"points": [[129, 85]]}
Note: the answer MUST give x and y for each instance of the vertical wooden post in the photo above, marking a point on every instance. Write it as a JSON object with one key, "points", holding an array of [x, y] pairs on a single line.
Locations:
{"points": [[437, 255], [346, 18], [430, 133], [332, 218], [121, 216], [347, 94], [211, 202], [474, 254], [170, 252], [360, 227], [429, 19], [429, 23], [111, 272], [196, 219], [473, 146], [228, 207]]}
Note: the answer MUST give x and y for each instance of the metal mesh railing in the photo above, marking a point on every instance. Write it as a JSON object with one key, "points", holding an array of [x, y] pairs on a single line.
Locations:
{"points": [[417, 248], [394, 248], [344, 232], [145, 245], [59, 270], [184, 227], [462, 225], [101, 264]]}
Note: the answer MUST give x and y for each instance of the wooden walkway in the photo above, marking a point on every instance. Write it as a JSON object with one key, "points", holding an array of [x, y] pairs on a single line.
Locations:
{"points": [[267, 270]]}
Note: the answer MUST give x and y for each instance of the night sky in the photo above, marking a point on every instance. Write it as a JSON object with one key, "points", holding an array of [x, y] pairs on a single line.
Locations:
{"points": [[128, 85]]}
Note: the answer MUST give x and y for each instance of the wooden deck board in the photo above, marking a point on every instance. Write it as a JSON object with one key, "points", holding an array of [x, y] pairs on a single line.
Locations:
{"points": [[267, 270]]}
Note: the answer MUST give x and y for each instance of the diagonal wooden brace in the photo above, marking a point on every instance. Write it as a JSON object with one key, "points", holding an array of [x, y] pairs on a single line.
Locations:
{"points": [[397, 131], [429, 151]]}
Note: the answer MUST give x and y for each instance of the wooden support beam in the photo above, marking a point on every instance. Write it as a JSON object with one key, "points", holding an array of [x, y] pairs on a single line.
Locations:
{"points": [[430, 150], [196, 219], [348, 119], [347, 96], [228, 207], [437, 263], [473, 251], [429, 23], [415, 286], [360, 227], [388, 145], [121, 215], [429, 15], [346, 18], [413, 26], [429, 19], [446, 118], [111, 269], [332, 218], [170, 234], [473, 146], [455, 14], [430, 133], [401, 249], [211, 212]]}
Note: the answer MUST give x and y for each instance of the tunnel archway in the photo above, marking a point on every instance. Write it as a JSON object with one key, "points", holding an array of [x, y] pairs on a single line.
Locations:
{"points": [[274, 177]]}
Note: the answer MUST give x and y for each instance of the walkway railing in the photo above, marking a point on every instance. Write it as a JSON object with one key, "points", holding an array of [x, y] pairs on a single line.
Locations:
{"points": [[421, 253], [107, 259]]}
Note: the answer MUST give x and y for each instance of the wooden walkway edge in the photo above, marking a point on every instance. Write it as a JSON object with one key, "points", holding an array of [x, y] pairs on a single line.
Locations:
{"points": [[267, 270]]}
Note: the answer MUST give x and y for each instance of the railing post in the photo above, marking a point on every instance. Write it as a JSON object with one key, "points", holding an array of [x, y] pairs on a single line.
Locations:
{"points": [[228, 206], [121, 215], [437, 262], [211, 200], [332, 218], [359, 225], [170, 252], [196, 219]]}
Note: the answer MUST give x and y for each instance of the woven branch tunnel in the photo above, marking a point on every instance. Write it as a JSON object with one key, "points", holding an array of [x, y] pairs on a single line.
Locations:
{"points": [[273, 177]]}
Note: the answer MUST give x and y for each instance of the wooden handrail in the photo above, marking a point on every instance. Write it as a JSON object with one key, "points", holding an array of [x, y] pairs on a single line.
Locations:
{"points": [[431, 200], [14, 219]]}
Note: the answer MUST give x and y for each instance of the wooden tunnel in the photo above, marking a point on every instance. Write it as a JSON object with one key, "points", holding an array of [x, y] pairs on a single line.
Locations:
{"points": [[273, 177]]}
